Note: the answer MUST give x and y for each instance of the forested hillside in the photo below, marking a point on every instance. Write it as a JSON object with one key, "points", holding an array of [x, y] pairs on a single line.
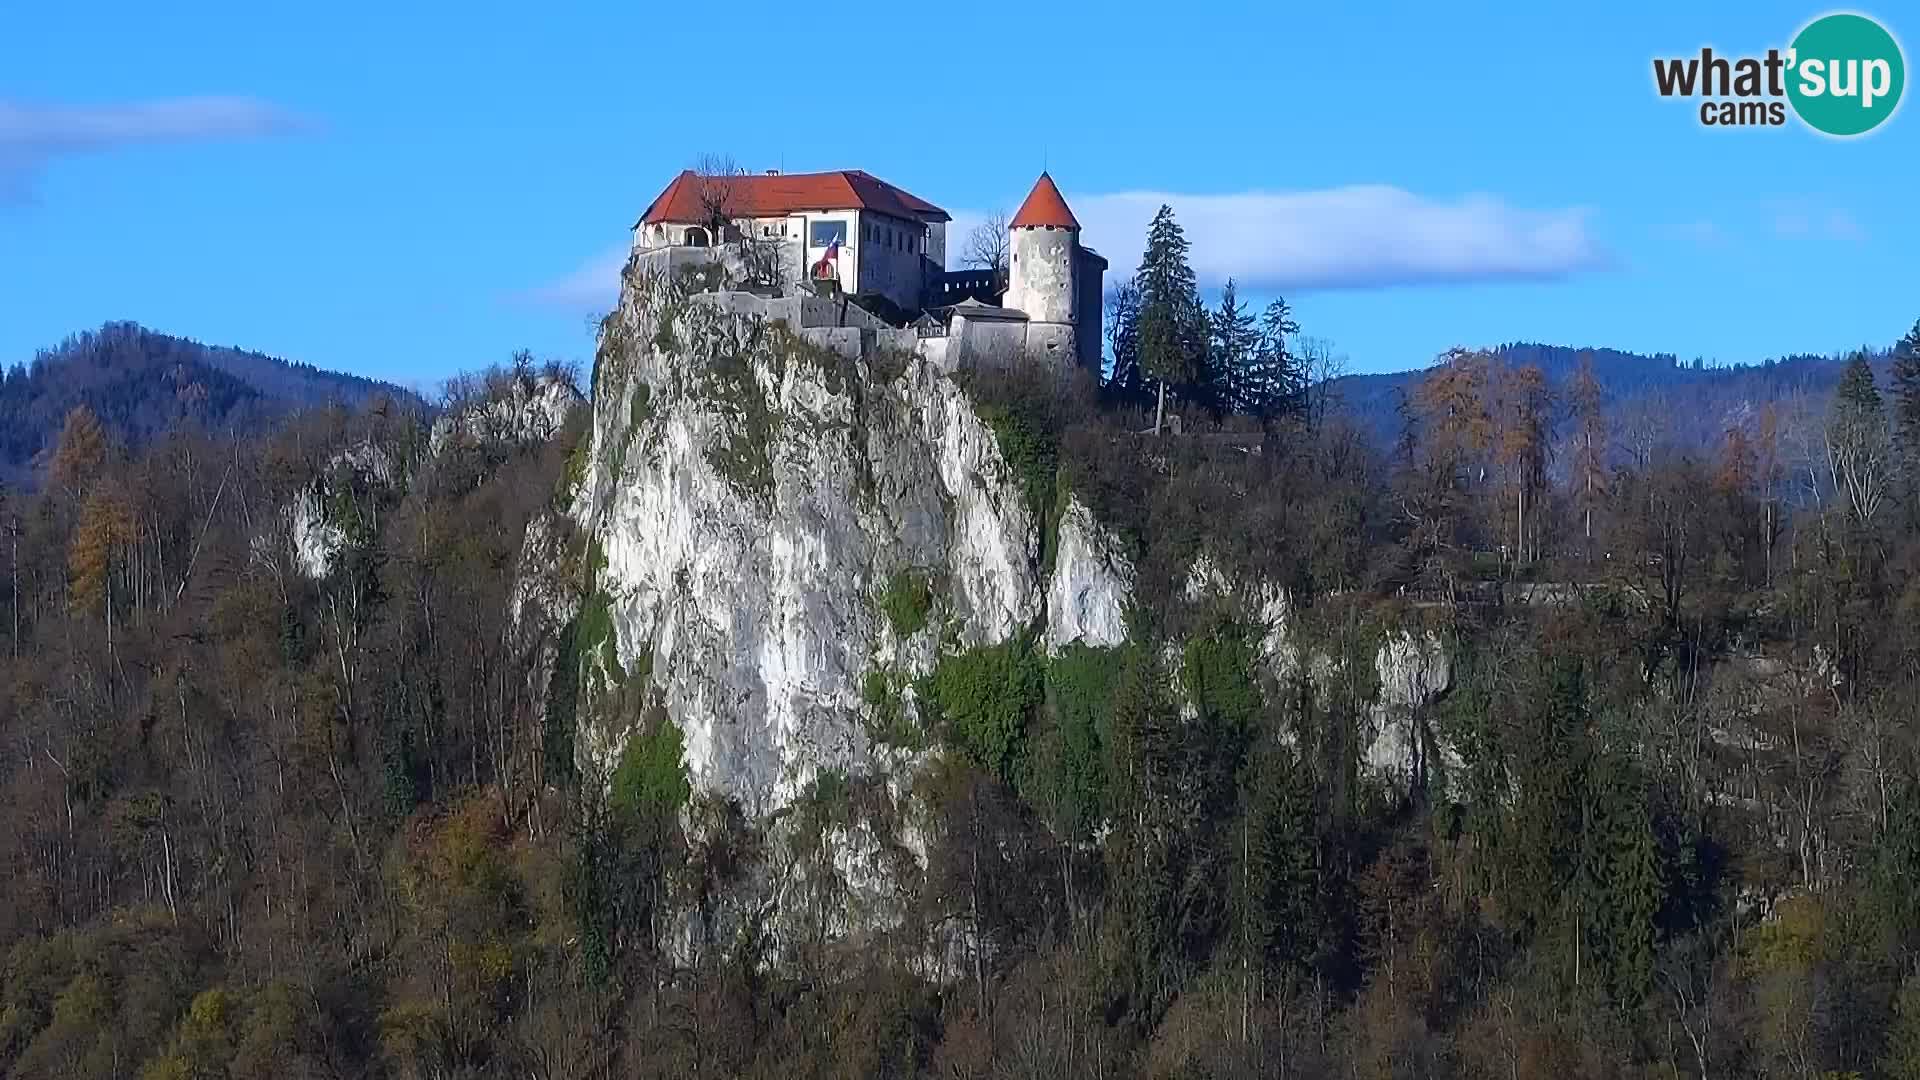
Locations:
{"points": [[140, 383], [1700, 400], [289, 793]]}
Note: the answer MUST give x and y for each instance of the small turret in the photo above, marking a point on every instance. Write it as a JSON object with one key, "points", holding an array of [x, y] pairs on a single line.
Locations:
{"points": [[1042, 240]]}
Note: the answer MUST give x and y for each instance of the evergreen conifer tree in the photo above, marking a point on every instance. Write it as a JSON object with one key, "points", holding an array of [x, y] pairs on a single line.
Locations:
{"points": [[1172, 322], [1236, 344], [1277, 384], [1906, 401]]}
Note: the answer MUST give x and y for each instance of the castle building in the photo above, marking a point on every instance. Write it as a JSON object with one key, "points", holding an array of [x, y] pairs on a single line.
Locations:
{"points": [[863, 233], [862, 236]]}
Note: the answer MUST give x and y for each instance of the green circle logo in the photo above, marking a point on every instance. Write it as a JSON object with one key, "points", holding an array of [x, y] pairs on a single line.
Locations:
{"points": [[1845, 74]]}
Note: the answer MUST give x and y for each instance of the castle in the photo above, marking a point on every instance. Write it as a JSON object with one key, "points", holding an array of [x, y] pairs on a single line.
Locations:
{"points": [[849, 233]]}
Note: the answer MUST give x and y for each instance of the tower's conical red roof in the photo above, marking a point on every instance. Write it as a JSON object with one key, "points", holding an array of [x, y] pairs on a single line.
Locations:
{"points": [[1044, 208]]}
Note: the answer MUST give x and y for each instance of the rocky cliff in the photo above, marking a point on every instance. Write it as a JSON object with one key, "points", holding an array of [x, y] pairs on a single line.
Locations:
{"points": [[779, 531], [776, 523]]}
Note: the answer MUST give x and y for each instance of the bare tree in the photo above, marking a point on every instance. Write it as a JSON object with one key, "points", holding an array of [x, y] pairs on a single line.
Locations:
{"points": [[1643, 428], [722, 213], [986, 245], [1859, 444], [1321, 370], [718, 176]]}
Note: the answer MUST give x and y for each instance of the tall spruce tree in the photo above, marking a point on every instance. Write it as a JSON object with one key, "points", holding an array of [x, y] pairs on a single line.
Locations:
{"points": [[1277, 383], [1172, 323], [1275, 888], [1906, 402], [1236, 341]]}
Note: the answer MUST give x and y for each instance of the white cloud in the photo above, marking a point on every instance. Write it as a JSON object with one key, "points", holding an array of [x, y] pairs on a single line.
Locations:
{"points": [[593, 286], [1348, 238], [33, 135], [1359, 237]]}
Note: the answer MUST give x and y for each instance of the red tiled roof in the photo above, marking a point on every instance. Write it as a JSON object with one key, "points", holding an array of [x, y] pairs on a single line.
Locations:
{"points": [[1044, 208], [784, 193]]}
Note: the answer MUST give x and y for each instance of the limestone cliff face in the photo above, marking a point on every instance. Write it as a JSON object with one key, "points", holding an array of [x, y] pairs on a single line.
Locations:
{"points": [[777, 526], [1412, 670], [777, 520], [314, 529], [755, 496], [529, 409]]}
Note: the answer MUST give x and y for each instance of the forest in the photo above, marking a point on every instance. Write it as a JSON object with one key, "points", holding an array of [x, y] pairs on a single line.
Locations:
{"points": [[1667, 822], [140, 383]]}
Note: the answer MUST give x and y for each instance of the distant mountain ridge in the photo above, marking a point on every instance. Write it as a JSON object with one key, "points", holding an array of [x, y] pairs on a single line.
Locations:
{"points": [[1705, 398], [142, 383]]}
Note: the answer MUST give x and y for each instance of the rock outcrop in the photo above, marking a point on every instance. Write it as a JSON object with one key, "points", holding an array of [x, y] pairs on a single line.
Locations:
{"points": [[780, 526], [318, 521], [528, 409], [753, 491]]}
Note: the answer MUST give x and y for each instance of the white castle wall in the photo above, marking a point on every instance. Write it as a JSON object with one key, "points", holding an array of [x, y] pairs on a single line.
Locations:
{"points": [[1041, 276]]}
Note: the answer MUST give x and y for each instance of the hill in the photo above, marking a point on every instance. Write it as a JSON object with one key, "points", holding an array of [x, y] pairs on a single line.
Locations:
{"points": [[1697, 401], [142, 383]]}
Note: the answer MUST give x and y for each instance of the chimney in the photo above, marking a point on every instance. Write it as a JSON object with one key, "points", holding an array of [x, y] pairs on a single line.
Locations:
{"points": [[773, 172]]}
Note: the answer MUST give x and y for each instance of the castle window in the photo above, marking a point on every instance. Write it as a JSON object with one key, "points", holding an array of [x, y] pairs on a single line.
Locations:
{"points": [[827, 232]]}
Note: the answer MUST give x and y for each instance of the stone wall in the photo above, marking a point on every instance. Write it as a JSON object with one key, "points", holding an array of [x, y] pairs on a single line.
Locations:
{"points": [[1040, 279]]}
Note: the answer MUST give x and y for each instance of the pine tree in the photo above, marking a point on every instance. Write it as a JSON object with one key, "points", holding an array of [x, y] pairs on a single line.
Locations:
{"points": [[1235, 340], [1172, 322], [1277, 384], [1619, 879], [1906, 402], [1859, 451], [1857, 392], [1276, 879]]}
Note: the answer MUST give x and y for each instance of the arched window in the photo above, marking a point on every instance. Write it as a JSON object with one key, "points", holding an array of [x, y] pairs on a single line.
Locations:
{"points": [[696, 236]]}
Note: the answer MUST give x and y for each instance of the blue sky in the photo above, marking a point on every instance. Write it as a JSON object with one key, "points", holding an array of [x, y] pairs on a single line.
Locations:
{"points": [[404, 190]]}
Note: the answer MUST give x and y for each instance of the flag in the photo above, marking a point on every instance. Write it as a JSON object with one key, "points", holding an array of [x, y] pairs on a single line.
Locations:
{"points": [[828, 266]]}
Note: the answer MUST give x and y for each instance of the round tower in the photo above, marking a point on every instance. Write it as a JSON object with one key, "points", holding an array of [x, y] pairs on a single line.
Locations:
{"points": [[1043, 242]]}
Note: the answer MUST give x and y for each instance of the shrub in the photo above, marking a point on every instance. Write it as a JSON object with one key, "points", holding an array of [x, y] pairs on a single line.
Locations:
{"points": [[887, 720], [982, 701], [907, 600], [651, 780], [1065, 772]]}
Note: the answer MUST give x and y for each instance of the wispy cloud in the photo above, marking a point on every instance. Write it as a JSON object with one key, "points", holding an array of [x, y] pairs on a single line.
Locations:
{"points": [[31, 135], [1359, 237]]}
